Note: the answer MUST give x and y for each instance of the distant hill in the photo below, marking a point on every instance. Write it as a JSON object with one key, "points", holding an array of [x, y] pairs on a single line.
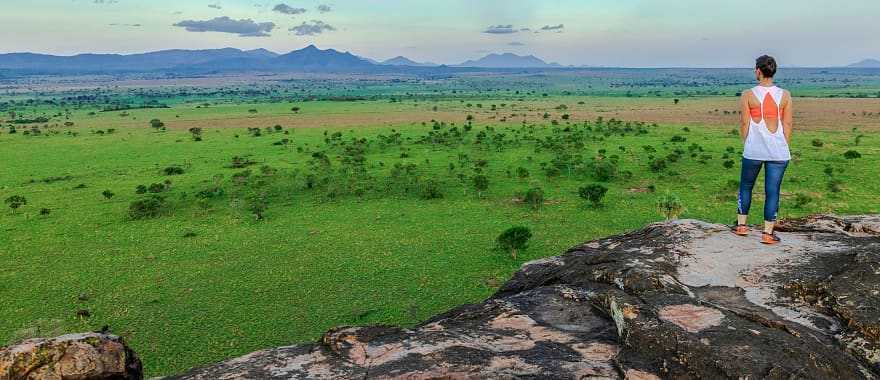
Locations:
{"points": [[404, 61], [508, 60], [312, 58], [867, 63], [132, 62]]}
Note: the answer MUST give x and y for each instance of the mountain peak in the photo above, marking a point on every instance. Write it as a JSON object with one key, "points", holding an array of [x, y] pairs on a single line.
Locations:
{"points": [[508, 60], [866, 63]]}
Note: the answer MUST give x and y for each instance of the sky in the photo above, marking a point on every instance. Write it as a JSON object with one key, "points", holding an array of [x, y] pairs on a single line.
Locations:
{"points": [[627, 33]]}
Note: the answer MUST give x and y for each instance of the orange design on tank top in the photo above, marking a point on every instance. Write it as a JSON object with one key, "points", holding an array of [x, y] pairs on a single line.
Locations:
{"points": [[770, 108]]}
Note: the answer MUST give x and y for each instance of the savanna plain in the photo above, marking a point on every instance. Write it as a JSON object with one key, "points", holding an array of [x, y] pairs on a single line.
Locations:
{"points": [[204, 218]]}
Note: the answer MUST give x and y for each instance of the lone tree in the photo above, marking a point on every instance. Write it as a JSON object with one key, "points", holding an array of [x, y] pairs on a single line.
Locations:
{"points": [[514, 239], [295, 109], [593, 193], [157, 124], [670, 206], [481, 184], [196, 133], [15, 202]]}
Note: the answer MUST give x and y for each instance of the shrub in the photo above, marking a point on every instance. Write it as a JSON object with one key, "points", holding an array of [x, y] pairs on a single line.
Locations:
{"points": [[45, 211], [801, 200], [522, 172], [835, 185], [670, 206], [593, 193], [817, 143], [158, 187], [257, 205], [604, 170], [107, 194], [157, 124], [851, 155], [481, 184], [658, 165], [514, 239], [728, 164], [149, 207], [678, 138], [15, 201], [430, 189], [196, 133], [173, 170], [534, 197]]}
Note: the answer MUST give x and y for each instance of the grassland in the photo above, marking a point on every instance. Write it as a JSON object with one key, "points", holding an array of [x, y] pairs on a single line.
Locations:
{"points": [[345, 237]]}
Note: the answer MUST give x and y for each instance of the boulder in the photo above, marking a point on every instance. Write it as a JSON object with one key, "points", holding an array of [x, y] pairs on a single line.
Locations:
{"points": [[682, 299], [70, 357]]}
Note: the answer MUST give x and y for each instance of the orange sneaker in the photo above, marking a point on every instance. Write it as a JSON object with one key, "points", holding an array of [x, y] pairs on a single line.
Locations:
{"points": [[770, 239], [741, 230]]}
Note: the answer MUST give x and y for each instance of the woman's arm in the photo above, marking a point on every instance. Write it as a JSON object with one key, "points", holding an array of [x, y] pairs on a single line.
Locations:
{"points": [[745, 117], [787, 113]]}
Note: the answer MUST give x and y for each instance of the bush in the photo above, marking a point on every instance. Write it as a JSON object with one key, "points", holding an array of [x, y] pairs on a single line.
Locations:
{"points": [[481, 184], [157, 124], [149, 207], [514, 239], [430, 189], [670, 206], [534, 197], [728, 164], [593, 193], [45, 211], [604, 170], [107, 194], [835, 185], [851, 155], [801, 200], [817, 143], [658, 165], [15, 202], [522, 172], [140, 189], [173, 170]]}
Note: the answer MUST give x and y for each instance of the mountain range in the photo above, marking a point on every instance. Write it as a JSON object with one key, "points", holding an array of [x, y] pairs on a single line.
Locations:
{"points": [[867, 63], [307, 59]]}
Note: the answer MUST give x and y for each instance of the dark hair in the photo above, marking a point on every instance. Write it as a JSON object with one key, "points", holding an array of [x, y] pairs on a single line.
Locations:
{"points": [[767, 65]]}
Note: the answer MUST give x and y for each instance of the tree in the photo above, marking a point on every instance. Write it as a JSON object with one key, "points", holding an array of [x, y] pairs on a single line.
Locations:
{"points": [[157, 124], [481, 184], [295, 109], [534, 197], [196, 133], [670, 206], [15, 202], [514, 239], [593, 192]]}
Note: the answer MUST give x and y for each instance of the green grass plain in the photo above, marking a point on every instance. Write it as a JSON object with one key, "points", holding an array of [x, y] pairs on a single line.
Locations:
{"points": [[208, 281]]}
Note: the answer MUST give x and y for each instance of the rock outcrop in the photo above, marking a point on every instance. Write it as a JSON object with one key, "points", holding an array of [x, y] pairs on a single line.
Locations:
{"points": [[71, 357], [682, 299]]}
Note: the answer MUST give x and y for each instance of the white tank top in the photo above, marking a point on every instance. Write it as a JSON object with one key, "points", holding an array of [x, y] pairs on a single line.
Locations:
{"points": [[761, 144]]}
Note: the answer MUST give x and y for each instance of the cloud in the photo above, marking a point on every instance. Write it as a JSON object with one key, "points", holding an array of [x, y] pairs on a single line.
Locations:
{"points": [[243, 27], [105, 1], [323, 8], [130, 25], [500, 29], [516, 43], [553, 28], [288, 10], [312, 28], [215, 6]]}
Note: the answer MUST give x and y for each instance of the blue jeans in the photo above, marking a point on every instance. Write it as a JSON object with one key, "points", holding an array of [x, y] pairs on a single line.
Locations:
{"points": [[772, 182]]}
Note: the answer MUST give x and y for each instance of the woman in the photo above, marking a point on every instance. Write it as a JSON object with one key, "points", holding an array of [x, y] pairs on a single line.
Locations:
{"points": [[765, 130]]}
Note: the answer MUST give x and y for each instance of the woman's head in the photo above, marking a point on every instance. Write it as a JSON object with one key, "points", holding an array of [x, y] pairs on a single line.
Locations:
{"points": [[765, 67]]}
